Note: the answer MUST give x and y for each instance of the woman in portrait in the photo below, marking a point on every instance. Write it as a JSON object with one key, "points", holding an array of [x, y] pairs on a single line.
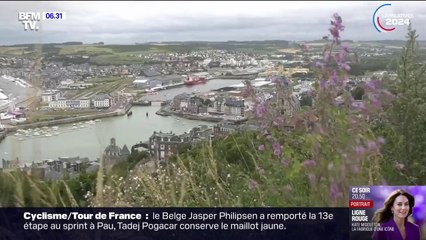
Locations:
{"points": [[393, 218]]}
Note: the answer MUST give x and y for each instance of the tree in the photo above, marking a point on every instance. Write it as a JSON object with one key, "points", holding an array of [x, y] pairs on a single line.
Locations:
{"points": [[357, 93], [306, 100], [406, 144]]}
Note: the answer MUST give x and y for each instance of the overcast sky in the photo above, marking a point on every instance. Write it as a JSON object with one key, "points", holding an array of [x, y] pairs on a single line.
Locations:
{"points": [[130, 22]]}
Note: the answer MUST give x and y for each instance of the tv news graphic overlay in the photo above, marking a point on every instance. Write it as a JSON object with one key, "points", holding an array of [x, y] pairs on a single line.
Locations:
{"points": [[359, 203], [384, 20], [174, 223], [32, 20], [365, 201]]}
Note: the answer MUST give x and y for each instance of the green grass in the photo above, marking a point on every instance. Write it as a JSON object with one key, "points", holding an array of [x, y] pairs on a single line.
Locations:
{"points": [[88, 50], [117, 59], [12, 51]]}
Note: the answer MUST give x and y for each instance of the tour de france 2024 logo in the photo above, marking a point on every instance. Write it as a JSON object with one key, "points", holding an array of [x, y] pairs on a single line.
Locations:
{"points": [[386, 21]]}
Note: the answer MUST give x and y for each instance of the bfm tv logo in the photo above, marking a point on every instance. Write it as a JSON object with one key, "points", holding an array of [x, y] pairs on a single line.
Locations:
{"points": [[387, 22]]}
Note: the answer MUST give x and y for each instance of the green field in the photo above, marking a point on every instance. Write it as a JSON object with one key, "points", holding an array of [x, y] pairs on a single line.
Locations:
{"points": [[128, 54], [88, 50], [12, 51]]}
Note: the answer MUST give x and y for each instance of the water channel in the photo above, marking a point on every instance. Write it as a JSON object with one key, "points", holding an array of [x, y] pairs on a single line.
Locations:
{"points": [[90, 140]]}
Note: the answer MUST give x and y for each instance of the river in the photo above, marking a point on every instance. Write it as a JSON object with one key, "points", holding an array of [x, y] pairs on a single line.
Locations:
{"points": [[91, 140]]}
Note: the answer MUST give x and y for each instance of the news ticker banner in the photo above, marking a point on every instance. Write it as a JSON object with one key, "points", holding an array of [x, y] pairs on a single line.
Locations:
{"points": [[365, 201], [174, 223], [353, 222]]}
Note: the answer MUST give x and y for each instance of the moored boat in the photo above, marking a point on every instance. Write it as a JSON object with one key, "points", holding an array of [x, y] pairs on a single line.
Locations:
{"points": [[193, 80]]}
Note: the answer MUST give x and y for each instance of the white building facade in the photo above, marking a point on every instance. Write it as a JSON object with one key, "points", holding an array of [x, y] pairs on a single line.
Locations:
{"points": [[50, 95], [102, 101], [80, 103]]}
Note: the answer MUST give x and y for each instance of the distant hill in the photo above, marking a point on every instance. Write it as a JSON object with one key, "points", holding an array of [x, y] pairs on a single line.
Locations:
{"points": [[43, 44], [399, 43], [218, 42]]}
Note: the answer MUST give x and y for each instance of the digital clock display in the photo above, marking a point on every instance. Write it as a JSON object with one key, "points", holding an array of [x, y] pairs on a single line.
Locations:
{"points": [[54, 15]]}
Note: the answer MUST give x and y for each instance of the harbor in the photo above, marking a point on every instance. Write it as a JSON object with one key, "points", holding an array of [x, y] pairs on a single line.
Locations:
{"points": [[91, 139], [77, 135]]}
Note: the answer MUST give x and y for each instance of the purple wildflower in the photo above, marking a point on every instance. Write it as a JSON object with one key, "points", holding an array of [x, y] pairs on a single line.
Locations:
{"points": [[326, 56], [323, 84], [346, 67], [308, 163], [312, 179], [335, 33], [252, 184], [345, 48], [336, 27], [373, 84], [334, 76], [261, 148], [338, 22], [339, 57], [277, 149], [261, 109], [381, 140], [335, 192], [355, 168], [359, 105], [282, 81], [372, 145], [285, 161], [359, 150], [375, 102]]}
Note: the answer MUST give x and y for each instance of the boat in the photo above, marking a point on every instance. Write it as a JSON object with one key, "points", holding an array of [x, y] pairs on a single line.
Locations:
{"points": [[193, 80], [17, 120], [48, 135]]}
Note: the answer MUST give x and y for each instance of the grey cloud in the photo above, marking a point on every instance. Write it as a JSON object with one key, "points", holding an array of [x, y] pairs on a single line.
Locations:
{"points": [[308, 21]]}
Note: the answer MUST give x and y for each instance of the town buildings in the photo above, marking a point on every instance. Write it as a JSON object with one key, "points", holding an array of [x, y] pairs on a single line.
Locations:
{"points": [[53, 169], [114, 154]]}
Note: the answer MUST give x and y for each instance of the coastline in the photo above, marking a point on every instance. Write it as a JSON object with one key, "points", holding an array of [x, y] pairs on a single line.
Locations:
{"points": [[57, 122], [163, 112]]}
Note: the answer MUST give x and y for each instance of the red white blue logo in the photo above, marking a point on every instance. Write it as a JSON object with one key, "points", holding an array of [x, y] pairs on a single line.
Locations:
{"points": [[387, 22]]}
